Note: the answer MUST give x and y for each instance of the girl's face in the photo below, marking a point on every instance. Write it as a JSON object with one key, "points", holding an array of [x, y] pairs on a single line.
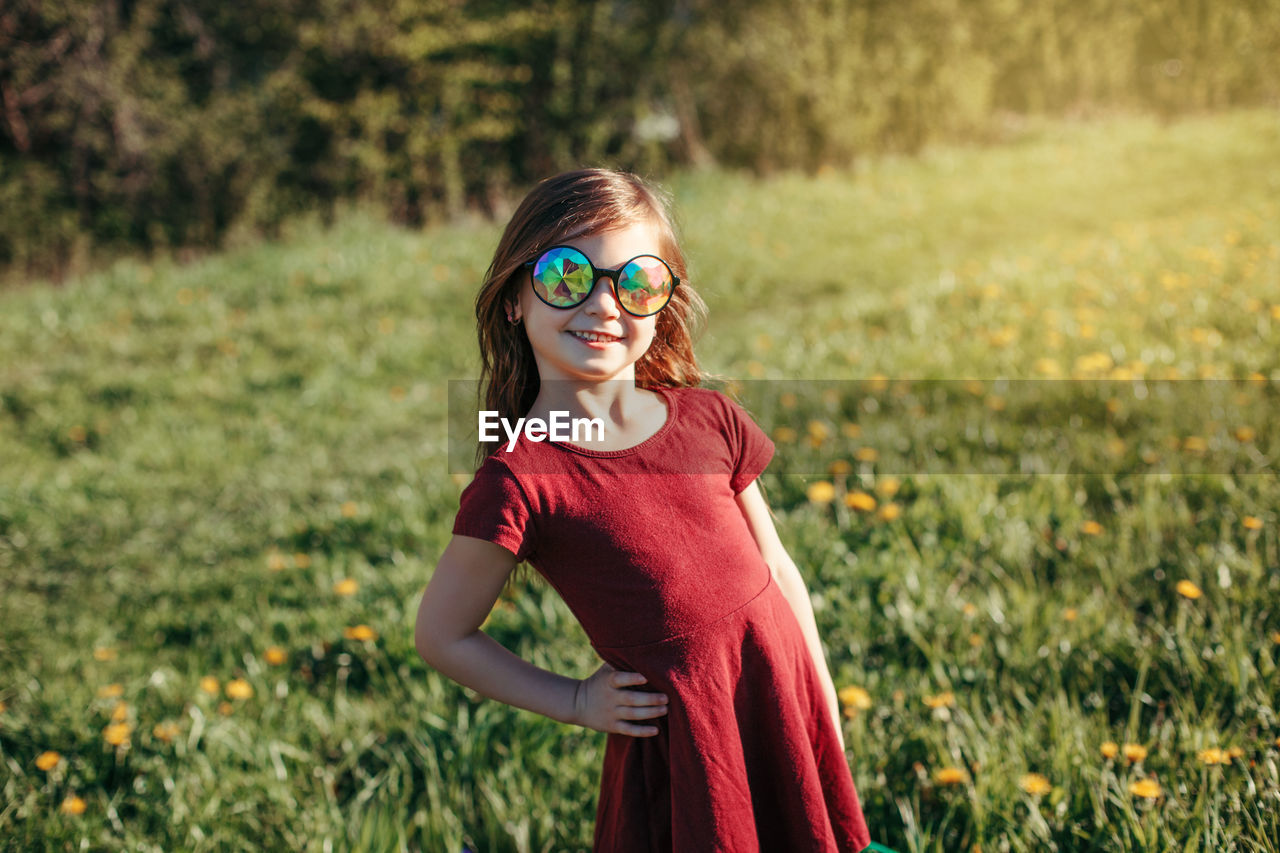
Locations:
{"points": [[595, 341]]}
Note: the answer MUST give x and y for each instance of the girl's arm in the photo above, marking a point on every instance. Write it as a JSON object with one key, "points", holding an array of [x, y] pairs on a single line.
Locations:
{"points": [[466, 583], [792, 585]]}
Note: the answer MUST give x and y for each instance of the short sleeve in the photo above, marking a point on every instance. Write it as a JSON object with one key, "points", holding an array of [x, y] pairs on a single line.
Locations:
{"points": [[494, 507], [751, 448]]}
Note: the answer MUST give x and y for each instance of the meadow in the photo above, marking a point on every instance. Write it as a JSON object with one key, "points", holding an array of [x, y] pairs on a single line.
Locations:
{"points": [[224, 484]]}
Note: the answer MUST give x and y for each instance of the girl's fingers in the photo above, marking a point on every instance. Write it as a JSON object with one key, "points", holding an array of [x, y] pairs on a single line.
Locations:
{"points": [[638, 697], [636, 731], [641, 713]]}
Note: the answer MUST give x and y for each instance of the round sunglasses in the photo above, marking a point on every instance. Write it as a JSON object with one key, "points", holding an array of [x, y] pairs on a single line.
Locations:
{"points": [[563, 277]]}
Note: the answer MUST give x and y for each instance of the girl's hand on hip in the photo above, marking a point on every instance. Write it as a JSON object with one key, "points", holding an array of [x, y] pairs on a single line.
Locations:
{"points": [[602, 703]]}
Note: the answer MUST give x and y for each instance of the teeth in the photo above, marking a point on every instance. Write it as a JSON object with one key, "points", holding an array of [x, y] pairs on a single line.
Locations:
{"points": [[592, 336]]}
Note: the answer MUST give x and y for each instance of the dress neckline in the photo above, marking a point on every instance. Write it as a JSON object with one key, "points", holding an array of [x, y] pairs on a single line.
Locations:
{"points": [[667, 397]]}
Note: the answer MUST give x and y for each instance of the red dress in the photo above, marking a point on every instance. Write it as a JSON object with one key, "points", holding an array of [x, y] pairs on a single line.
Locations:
{"points": [[651, 552]]}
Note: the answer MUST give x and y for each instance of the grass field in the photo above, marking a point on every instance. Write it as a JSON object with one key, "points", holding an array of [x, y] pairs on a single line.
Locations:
{"points": [[223, 487]]}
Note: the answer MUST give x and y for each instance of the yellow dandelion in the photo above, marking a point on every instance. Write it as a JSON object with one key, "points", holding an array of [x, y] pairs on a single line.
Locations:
{"points": [[887, 487], [1211, 756], [275, 655], [360, 632], [302, 560], [840, 468], [889, 512], [1091, 528], [1135, 752], [120, 712], [788, 400], [110, 691], [1047, 367], [821, 492], [969, 609], [1034, 783], [860, 501], [950, 776], [226, 708], [397, 393], [784, 435], [275, 561], [1235, 752], [346, 587], [1246, 433], [1275, 637], [1147, 788], [350, 509], [1070, 614], [46, 761], [1187, 589], [818, 431], [945, 699], [165, 731], [855, 698], [866, 454], [239, 689], [975, 640], [210, 685], [1251, 522], [1194, 444], [72, 805], [104, 653], [117, 734], [850, 430], [1110, 749], [3, 707]]}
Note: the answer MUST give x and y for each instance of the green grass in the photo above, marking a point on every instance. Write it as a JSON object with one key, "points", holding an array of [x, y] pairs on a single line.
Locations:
{"points": [[191, 457]]}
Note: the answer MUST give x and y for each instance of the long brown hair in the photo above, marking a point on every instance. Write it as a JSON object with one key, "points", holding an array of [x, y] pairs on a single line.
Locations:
{"points": [[557, 210]]}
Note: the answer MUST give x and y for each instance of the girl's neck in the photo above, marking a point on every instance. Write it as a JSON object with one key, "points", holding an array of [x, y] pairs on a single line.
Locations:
{"points": [[629, 414]]}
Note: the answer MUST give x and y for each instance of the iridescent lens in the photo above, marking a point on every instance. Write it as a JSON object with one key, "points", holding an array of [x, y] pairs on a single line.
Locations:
{"points": [[645, 285], [562, 277]]}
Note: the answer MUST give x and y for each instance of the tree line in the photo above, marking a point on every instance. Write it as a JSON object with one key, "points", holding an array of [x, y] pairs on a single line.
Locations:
{"points": [[168, 123]]}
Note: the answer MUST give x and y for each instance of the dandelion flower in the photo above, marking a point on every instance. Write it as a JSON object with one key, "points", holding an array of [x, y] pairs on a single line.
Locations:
{"points": [[1194, 444], [889, 512], [1070, 614], [1246, 433], [818, 431], [855, 697], [1091, 528], [301, 560], [1212, 756], [860, 501], [887, 487], [346, 587], [1034, 783], [226, 708], [239, 689], [46, 761], [945, 699], [950, 776], [1235, 752], [866, 454], [117, 734], [1187, 589], [3, 707], [1110, 749], [210, 685], [275, 655], [360, 632], [110, 691], [840, 468], [821, 492], [104, 653], [784, 435], [850, 430], [350, 509], [72, 805], [1147, 788], [1252, 523], [275, 561], [165, 731], [1135, 752], [120, 712]]}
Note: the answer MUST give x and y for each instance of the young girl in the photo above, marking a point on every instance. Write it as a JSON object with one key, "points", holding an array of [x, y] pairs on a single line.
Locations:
{"points": [[656, 536]]}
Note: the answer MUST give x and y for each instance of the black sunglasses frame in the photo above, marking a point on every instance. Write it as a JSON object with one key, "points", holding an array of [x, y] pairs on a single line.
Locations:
{"points": [[596, 272]]}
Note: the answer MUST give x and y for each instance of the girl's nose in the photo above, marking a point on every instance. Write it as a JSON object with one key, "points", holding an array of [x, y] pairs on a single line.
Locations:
{"points": [[602, 300]]}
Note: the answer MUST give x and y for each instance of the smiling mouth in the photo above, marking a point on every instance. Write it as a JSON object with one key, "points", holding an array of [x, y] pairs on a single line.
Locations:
{"points": [[595, 337]]}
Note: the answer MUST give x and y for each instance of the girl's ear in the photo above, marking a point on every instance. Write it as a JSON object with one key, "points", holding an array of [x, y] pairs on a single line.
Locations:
{"points": [[513, 312]]}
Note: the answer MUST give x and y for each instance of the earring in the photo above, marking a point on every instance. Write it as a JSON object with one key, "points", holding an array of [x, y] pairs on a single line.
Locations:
{"points": [[512, 319]]}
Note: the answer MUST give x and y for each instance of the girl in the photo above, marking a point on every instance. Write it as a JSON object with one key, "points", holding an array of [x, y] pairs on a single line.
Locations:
{"points": [[656, 536]]}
